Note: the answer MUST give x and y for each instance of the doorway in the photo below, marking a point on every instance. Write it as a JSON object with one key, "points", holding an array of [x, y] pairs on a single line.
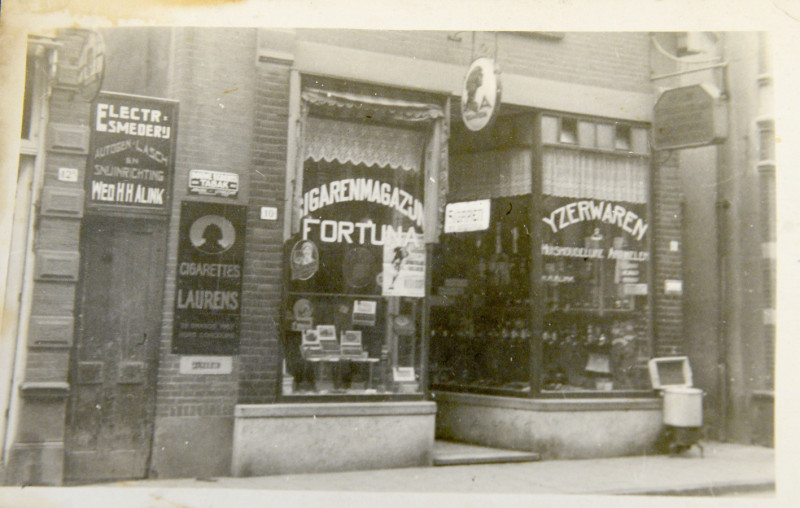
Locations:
{"points": [[114, 362]]}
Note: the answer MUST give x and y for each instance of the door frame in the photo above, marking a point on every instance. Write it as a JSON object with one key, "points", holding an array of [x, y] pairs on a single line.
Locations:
{"points": [[153, 348]]}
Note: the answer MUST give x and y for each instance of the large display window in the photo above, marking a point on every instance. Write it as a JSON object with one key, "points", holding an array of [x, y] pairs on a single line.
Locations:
{"points": [[553, 297], [356, 261], [595, 256], [480, 318]]}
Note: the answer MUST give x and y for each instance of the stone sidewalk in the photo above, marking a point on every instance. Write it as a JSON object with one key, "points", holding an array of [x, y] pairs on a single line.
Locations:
{"points": [[726, 470]]}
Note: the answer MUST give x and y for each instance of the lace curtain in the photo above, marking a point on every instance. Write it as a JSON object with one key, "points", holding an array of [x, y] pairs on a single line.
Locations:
{"points": [[330, 127], [378, 108], [577, 174], [357, 143], [495, 173]]}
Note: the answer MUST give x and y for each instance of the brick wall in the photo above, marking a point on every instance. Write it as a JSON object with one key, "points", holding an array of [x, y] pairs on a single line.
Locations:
{"points": [[263, 284], [211, 76], [618, 60], [233, 117], [667, 223]]}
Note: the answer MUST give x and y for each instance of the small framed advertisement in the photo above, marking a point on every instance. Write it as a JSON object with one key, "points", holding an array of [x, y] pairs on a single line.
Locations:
{"points": [[310, 338], [327, 340], [404, 375], [364, 312], [351, 338], [213, 183], [326, 332]]}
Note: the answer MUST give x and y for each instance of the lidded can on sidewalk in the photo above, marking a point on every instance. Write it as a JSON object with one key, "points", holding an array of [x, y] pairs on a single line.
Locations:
{"points": [[682, 403]]}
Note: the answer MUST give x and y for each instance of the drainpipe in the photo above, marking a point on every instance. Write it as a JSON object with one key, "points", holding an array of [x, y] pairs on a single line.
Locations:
{"points": [[722, 209], [722, 271]]}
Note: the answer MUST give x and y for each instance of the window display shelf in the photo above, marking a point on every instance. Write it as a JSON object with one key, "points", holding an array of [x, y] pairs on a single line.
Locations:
{"points": [[482, 389], [592, 312], [333, 295]]}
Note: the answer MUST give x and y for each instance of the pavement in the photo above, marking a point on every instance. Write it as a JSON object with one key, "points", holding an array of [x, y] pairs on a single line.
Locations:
{"points": [[723, 467], [724, 470]]}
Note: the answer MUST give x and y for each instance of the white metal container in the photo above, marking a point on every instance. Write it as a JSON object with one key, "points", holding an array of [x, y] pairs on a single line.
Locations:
{"points": [[683, 406]]}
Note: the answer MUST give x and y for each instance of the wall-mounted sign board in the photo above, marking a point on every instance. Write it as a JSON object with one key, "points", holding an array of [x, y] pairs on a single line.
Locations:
{"points": [[213, 183], [480, 94], [689, 116], [131, 154], [208, 283], [206, 365]]}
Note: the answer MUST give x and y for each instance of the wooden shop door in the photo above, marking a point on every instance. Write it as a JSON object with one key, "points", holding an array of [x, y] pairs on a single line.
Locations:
{"points": [[114, 362]]}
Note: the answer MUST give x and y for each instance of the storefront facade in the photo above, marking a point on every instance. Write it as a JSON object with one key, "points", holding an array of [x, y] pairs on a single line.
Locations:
{"points": [[285, 252]]}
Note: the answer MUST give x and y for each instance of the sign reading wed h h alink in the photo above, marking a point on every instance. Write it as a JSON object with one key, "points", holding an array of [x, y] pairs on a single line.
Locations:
{"points": [[131, 154]]}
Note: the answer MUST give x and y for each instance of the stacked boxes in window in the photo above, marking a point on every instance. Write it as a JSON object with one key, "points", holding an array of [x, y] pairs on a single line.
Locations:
{"points": [[351, 345]]}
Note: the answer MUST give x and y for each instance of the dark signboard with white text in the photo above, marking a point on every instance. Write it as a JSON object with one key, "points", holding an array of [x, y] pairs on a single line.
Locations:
{"points": [[208, 292], [131, 154]]}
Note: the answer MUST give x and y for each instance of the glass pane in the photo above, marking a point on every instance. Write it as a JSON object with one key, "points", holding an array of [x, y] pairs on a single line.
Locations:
{"points": [[350, 345], [569, 131], [623, 138], [353, 320], [480, 335], [595, 273], [27, 107]]}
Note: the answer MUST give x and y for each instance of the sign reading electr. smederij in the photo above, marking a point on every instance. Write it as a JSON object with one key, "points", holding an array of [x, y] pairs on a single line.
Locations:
{"points": [[208, 292], [480, 94], [131, 154]]}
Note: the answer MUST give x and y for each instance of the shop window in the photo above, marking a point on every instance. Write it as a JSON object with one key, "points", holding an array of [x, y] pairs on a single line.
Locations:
{"points": [[359, 252], [356, 262], [585, 289], [595, 281], [595, 271], [480, 320]]}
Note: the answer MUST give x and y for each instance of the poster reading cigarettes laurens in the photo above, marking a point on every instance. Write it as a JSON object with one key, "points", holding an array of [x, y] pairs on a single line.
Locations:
{"points": [[208, 293], [131, 154]]}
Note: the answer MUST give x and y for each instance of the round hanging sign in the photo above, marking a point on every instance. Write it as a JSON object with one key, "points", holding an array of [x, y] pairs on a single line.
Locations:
{"points": [[480, 94]]}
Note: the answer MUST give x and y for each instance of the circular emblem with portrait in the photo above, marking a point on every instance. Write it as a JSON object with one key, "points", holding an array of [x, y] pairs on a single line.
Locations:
{"points": [[480, 94], [212, 234], [304, 260]]}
